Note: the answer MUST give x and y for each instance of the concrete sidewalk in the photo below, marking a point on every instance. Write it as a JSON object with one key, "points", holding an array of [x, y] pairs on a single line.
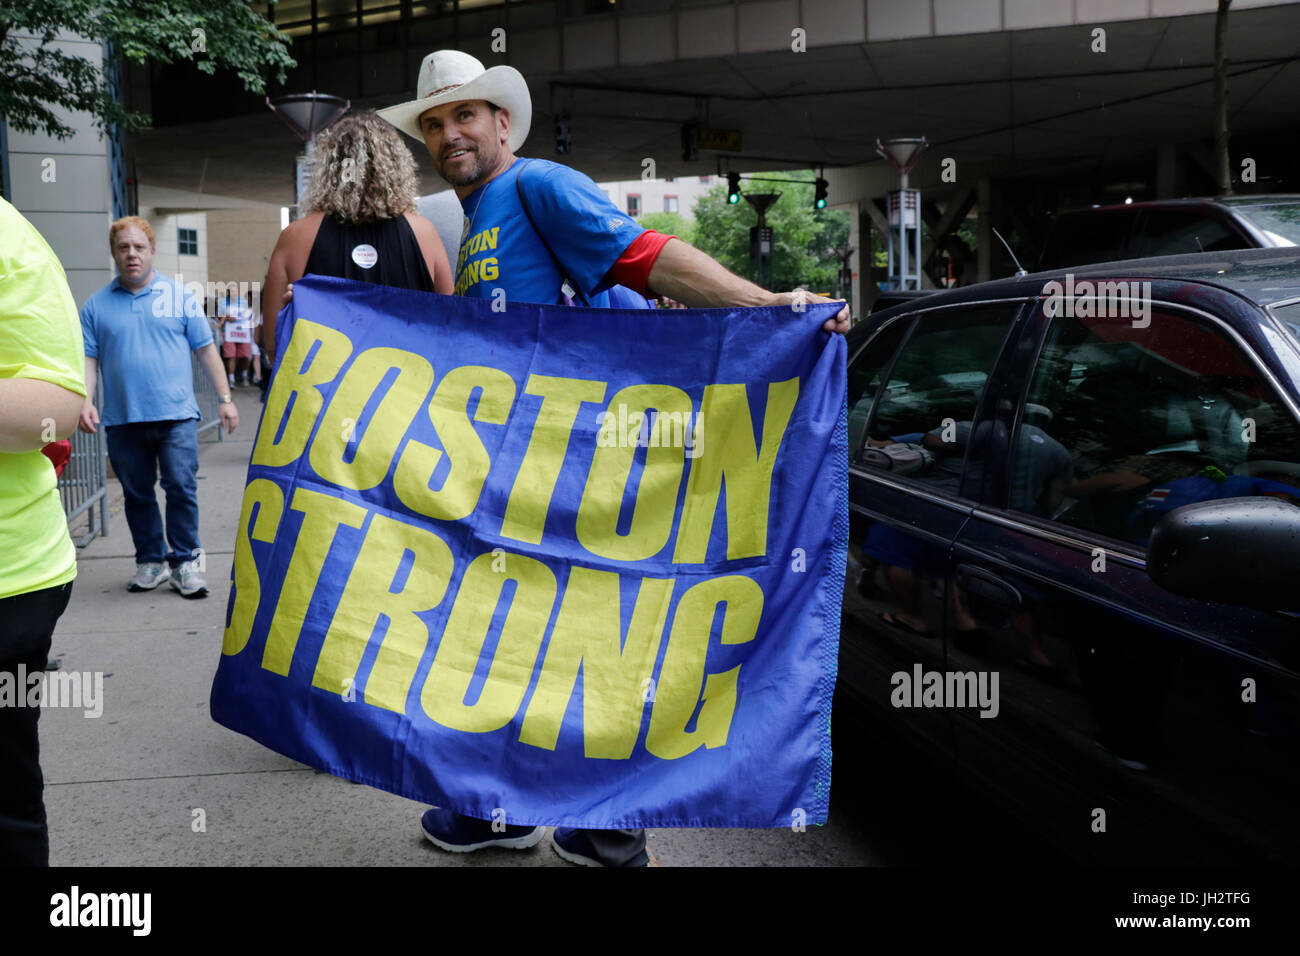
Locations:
{"points": [[125, 789]]}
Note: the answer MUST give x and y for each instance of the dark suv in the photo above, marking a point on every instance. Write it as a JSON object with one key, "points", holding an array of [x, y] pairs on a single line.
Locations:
{"points": [[1171, 227], [1014, 447]]}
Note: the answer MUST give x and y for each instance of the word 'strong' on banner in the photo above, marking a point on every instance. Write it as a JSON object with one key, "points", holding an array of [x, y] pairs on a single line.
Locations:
{"points": [[581, 566]]}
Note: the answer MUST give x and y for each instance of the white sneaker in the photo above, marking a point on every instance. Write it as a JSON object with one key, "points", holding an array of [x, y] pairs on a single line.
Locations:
{"points": [[187, 580], [148, 576]]}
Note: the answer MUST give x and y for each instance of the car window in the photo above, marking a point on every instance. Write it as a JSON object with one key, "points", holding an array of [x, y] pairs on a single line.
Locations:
{"points": [[922, 423], [1082, 238], [865, 372], [1289, 313], [1171, 232], [1280, 222], [1124, 422]]}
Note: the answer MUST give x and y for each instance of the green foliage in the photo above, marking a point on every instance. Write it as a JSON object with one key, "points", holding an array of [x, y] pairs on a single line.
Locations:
{"points": [[802, 236], [39, 80], [670, 224]]}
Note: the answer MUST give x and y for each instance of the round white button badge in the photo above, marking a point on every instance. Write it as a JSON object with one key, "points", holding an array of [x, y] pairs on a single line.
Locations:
{"points": [[365, 255]]}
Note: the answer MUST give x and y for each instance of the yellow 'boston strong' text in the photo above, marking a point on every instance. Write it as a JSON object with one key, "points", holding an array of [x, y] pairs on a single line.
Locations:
{"points": [[397, 571], [470, 270]]}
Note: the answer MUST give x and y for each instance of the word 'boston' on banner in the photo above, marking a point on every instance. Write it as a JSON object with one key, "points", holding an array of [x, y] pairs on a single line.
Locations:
{"points": [[582, 567]]}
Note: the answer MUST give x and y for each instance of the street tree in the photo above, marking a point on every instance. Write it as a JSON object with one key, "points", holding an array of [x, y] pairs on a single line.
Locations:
{"points": [[40, 78], [669, 223], [803, 238]]}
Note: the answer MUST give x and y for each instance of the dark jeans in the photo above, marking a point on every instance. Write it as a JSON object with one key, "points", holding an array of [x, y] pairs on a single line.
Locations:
{"points": [[618, 847], [26, 626], [141, 451]]}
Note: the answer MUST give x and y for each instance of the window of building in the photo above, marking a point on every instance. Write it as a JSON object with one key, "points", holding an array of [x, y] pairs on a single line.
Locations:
{"points": [[670, 204], [188, 241], [634, 204]]}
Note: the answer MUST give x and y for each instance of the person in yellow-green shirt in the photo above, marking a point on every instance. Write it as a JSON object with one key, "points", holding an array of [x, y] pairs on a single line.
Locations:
{"points": [[42, 387]]}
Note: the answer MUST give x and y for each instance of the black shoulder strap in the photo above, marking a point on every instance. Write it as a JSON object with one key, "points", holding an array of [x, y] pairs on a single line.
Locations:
{"points": [[523, 201]]}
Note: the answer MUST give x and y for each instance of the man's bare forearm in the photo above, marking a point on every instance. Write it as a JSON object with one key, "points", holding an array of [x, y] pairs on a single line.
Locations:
{"points": [[211, 363], [692, 277]]}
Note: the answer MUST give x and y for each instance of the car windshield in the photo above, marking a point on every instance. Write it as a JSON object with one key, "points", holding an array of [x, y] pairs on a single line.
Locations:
{"points": [[1289, 313], [1280, 222]]}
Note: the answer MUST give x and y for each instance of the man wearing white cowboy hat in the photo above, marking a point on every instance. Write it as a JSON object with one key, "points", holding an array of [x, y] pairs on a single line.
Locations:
{"points": [[472, 120], [537, 231]]}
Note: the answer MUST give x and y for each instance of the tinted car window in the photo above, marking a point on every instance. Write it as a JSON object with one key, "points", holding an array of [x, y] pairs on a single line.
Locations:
{"points": [[1279, 221], [1150, 419], [932, 393], [1290, 316], [1081, 238], [865, 373], [1171, 232]]}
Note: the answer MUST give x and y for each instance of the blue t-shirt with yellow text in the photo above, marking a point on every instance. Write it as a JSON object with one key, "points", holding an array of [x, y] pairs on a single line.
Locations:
{"points": [[586, 231]]}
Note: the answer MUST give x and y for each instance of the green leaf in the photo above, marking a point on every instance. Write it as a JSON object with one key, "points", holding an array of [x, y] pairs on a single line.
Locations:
{"points": [[36, 78], [802, 236]]}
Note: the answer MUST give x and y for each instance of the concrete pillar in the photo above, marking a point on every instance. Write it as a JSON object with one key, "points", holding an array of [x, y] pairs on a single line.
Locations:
{"points": [[62, 188], [857, 235], [1167, 186], [984, 255], [864, 240]]}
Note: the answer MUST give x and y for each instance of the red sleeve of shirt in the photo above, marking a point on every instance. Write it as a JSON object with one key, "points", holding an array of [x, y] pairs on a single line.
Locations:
{"points": [[633, 267]]}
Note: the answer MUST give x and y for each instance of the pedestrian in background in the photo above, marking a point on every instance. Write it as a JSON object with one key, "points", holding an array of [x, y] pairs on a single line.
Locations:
{"points": [[42, 388], [139, 331], [360, 220], [238, 325]]}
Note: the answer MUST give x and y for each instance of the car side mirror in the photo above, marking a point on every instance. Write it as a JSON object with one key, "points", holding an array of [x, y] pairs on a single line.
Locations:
{"points": [[1243, 551]]}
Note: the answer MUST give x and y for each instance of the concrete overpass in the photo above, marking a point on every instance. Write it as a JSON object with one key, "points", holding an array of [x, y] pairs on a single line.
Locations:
{"points": [[1040, 103]]}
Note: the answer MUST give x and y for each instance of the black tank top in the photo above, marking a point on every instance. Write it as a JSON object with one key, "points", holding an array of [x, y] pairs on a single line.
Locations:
{"points": [[385, 253]]}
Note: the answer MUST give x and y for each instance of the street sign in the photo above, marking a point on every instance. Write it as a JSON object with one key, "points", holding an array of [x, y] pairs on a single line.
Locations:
{"points": [[710, 138]]}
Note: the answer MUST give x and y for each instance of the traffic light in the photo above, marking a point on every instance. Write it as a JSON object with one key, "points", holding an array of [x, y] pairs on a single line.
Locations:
{"points": [[733, 188], [819, 202], [563, 137]]}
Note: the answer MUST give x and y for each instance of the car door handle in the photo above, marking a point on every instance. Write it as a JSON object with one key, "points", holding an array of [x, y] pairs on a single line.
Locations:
{"points": [[989, 587]]}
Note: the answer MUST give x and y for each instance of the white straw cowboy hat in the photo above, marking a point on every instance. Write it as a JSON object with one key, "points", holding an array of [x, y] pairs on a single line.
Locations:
{"points": [[449, 76]]}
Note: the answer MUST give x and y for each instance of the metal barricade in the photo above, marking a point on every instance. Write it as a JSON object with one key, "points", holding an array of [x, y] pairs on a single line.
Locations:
{"points": [[84, 482], [209, 407]]}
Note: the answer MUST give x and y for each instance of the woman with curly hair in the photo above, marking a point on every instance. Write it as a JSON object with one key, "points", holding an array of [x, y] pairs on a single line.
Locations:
{"points": [[360, 220]]}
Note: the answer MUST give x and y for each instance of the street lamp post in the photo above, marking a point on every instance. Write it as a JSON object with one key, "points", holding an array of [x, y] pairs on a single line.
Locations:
{"points": [[904, 213], [760, 239], [844, 278], [307, 114]]}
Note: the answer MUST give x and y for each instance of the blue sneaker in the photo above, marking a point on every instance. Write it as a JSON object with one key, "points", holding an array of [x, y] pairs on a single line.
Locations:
{"points": [[576, 846], [455, 833]]}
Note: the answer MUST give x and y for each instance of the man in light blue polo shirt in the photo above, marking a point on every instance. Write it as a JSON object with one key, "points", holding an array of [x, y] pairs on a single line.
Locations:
{"points": [[139, 329]]}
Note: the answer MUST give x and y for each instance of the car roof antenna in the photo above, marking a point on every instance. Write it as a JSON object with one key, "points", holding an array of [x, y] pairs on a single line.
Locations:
{"points": [[1020, 270]]}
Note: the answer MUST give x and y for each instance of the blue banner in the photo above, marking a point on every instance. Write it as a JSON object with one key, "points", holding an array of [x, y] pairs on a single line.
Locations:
{"points": [[576, 567]]}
